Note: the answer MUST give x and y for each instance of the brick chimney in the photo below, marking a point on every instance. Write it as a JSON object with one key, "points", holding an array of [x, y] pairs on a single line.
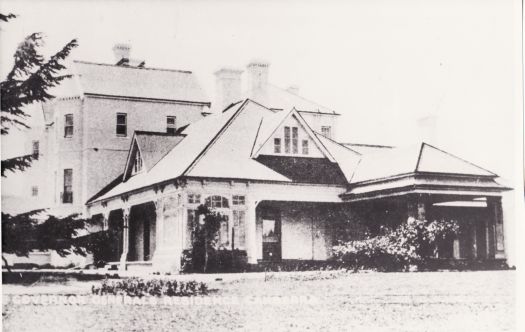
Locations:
{"points": [[122, 52], [258, 71], [227, 87]]}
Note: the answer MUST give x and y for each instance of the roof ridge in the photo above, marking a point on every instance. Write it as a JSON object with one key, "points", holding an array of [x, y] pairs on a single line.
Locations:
{"points": [[370, 145], [336, 142], [303, 98], [130, 67]]}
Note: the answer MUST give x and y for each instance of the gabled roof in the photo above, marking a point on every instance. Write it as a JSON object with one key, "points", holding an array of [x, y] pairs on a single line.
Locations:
{"points": [[420, 158], [210, 149], [345, 157], [272, 123], [134, 82], [152, 146]]}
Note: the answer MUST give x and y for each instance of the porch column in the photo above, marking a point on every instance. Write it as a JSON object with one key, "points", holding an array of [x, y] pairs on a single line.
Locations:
{"points": [[105, 220], [251, 231], [125, 238], [495, 235], [159, 223]]}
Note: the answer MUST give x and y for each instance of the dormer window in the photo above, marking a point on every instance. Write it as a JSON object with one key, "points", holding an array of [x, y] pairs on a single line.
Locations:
{"points": [[326, 131], [171, 124], [286, 139], [295, 140], [137, 163]]}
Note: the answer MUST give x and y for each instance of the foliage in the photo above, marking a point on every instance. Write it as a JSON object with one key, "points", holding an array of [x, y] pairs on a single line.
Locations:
{"points": [[411, 243], [205, 235], [36, 231], [28, 82], [156, 287]]}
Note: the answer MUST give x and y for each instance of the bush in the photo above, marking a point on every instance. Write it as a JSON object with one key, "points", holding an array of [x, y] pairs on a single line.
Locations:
{"points": [[155, 287], [412, 243]]}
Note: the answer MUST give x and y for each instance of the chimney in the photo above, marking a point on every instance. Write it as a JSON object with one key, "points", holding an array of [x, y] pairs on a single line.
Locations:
{"points": [[294, 89], [257, 74], [122, 52], [227, 87]]}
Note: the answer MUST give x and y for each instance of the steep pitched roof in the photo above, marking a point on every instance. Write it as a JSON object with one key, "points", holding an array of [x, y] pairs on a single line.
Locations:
{"points": [[345, 157], [133, 82], [152, 146], [421, 158], [209, 150]]}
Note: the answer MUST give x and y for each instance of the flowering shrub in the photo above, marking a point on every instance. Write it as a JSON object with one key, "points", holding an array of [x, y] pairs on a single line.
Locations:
{"points": [[155, 287], [411, 243]]}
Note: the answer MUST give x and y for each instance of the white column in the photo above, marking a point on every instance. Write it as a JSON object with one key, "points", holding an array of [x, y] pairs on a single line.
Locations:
{"points": [[251, 231], [159, 222], [105, 220], [125, 238]]}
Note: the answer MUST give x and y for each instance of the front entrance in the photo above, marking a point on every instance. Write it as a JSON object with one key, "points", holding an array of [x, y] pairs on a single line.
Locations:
{"points": [[271, 235]]}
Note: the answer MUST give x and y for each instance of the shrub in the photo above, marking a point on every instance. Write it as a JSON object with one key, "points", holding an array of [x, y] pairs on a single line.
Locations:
{"points": [[155, 287], [412, 243]]}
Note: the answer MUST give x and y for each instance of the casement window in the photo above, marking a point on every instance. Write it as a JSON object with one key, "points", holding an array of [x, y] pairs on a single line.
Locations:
{"points": [[217, 202], [36, 149], [34, 191], [171, 127], [238, 200], [295, 140], [305, 146], [68, 125], [194, 198], [326, 131], [67, 194], [239, 222], [277, 145], [137, 163], [122, 124], [286, 139]]}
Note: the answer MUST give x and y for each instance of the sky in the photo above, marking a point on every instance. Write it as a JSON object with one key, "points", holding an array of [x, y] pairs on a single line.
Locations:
{"points": [[381, 64]]}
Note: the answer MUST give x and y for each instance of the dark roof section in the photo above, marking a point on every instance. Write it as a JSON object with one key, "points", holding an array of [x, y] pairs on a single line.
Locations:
{"points": [[305, 170], [139, 82], [155, 145], [107, 188]]}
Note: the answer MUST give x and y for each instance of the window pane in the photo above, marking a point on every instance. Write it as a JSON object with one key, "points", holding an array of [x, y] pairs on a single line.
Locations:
{"points": [[286, 139], [277, 145], [305, 146], [295, 134], [68, 125], [191, 222]]}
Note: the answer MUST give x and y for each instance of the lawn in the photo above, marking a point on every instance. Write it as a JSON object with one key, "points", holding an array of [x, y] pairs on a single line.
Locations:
{"points": [[434, 301]]}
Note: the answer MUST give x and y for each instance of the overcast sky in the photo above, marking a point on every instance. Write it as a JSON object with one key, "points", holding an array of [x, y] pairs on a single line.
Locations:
{"points": [[381, 64]]}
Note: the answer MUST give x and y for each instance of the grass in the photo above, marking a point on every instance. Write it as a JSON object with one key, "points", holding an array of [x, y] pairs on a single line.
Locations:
{"points": [[434, 301]]}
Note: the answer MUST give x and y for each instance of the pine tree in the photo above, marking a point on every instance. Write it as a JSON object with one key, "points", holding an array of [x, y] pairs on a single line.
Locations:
{"points": [[28, 83]]}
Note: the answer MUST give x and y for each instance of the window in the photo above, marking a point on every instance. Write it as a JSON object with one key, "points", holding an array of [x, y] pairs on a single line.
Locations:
{"points": [[286, 139], [194, 198], [67, 194], [137, 163], [326, 131], [34, 191], [238, 200], [171, 124], [36, 149], [305, 146], [122, 129], [239, 237], [190, 225], [295, 135], [224, 233], [68, 125], [217, 202], [277, 145]]}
